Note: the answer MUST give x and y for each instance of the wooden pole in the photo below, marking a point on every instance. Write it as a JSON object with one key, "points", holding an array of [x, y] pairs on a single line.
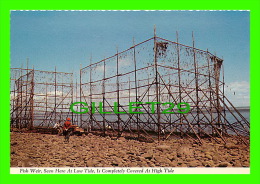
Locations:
{"points": [[118, 99], [55, 96], [179, 76], [196, 82], [103, 95], [136, 92], [157, 86], [210, 92], [80, 91], [90, 93]]}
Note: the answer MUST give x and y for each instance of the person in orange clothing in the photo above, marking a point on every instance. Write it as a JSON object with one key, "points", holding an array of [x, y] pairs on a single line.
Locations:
{"points": [[67, 124], [66, 129]]}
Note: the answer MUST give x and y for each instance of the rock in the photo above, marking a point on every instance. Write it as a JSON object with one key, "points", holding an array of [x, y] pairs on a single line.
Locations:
{"points": [[14, 143], [208, 156], [117, 161], [189, 159], [179, 154], [91, 163], [122, 139], [142, 159], [245, 164], [150, 164], [143, 164], [172, 156], [173, 164], [184, 151], [130, 152], [163, 147], [233, 153], [224, 164], [120, 154], [148, 156], [208, 163], [207, 153], [180, 162], [194, 145], [29, 163], [236, 163], [158, 158], [183, 165], [161, 160], [215, 158], [228, 158], [13, 152], [14, 163], [167, 161], [231, 146], [132, 164], [194, 163]]}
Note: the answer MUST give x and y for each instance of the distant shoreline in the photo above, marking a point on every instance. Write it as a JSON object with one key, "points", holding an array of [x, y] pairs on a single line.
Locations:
{"points": [[241, 108]]}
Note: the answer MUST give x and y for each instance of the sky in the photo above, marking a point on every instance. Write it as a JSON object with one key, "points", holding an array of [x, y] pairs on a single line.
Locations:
{"points": [[67, 39]]}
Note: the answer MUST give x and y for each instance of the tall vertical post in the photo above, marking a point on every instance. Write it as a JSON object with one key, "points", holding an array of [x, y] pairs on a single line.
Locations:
{"points": [[76, 99], [217, 75], [129, 90], [13, 93], [179, 77], [90, 92], [80, 91], [210, 91], [18, 123], [117, 84], [223, 74], [71, 88], [129, 97], [157, 85], [62, 89], [148, 96], [21, 99], [26, 118], [55, 94], [46, 101], [196, 82], [32, 100], [103, 95], [136, 91], [169, 96]]}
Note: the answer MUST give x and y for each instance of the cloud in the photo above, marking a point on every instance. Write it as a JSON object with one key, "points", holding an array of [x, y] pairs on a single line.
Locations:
{"points": [[241, 87], [126, 62], [100, 68], [238, 93]]}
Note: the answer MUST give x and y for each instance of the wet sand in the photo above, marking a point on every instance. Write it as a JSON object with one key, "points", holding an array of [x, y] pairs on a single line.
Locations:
{"points": [[43, 150]]}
